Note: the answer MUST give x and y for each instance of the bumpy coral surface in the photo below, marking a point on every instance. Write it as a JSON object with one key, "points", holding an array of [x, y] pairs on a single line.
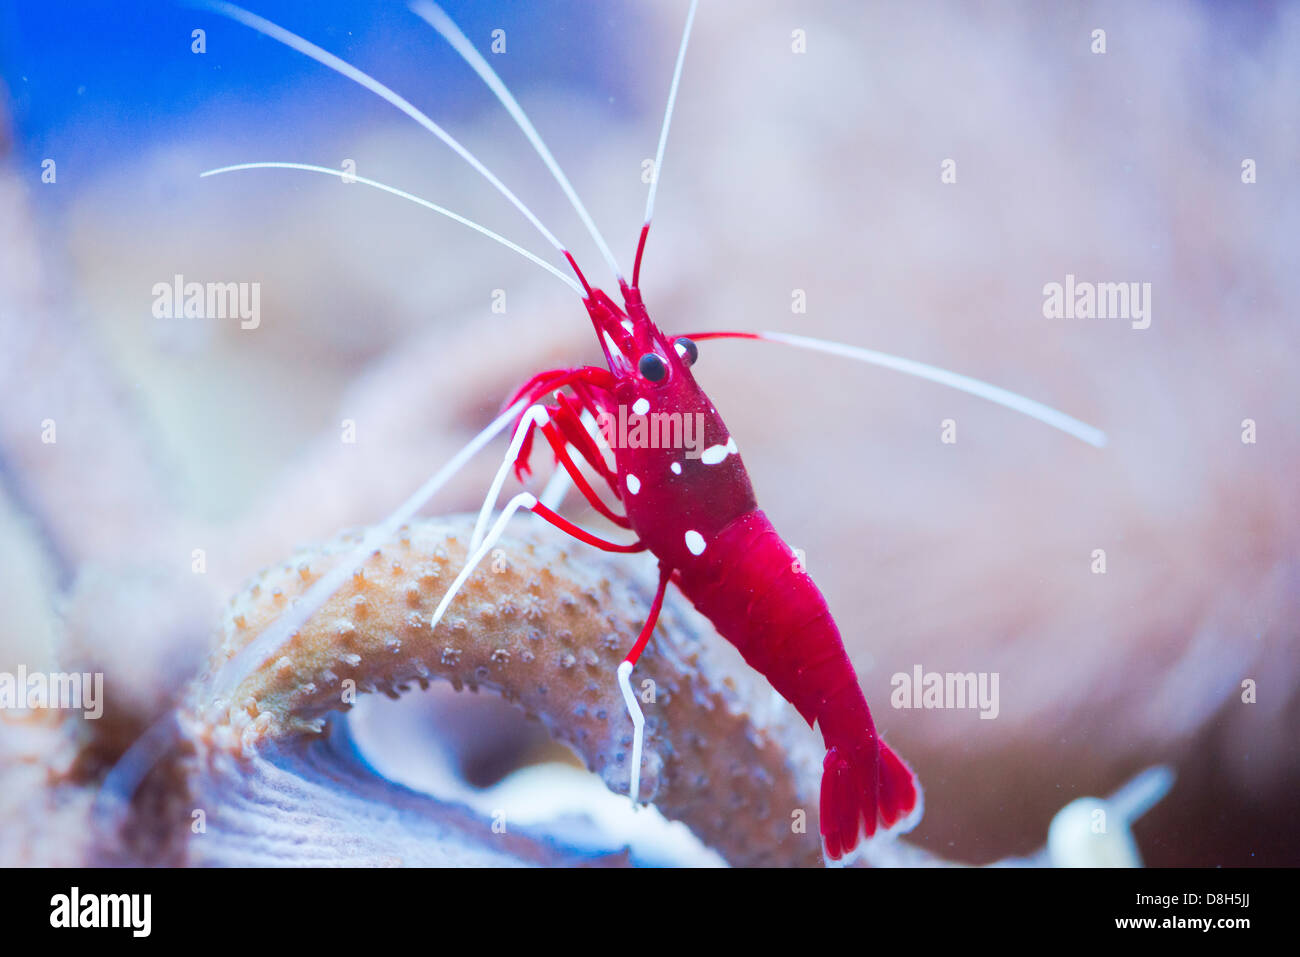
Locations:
{"points": [[543, 622]]}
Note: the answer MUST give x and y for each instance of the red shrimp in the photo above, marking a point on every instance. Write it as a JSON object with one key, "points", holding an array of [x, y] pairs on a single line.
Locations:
{"points": [[696, 513]]}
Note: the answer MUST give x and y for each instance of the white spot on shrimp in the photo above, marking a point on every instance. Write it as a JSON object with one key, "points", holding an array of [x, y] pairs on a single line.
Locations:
{"points": [[695, 542], [641, 406], [676, 467], [627, 324], [718, 453], [633, 484]]}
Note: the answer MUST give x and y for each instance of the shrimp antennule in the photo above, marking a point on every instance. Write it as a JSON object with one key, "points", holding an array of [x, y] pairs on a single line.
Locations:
{"points": [[402, 194], [365, 80], [437, 18], [663, 142]]}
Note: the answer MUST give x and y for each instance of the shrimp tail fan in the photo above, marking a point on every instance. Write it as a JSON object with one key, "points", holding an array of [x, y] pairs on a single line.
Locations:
{"points": [[867, 791]]}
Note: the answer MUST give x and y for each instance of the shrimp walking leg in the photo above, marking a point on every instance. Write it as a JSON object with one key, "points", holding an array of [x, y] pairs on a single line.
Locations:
{"points": [[524, 500], [533, 415], [538, 417], [557, 443], [625, 682]]}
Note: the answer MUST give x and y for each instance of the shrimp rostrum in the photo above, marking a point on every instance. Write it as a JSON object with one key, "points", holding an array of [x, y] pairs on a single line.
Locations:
{"points": [[692, 506]]}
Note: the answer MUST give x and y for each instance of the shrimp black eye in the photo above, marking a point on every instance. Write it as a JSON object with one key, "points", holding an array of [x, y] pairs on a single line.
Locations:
{"points": [[653, 367], [687, 349]]}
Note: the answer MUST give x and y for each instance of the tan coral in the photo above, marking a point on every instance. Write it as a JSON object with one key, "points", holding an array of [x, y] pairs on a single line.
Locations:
{"points": [[544, 622]]}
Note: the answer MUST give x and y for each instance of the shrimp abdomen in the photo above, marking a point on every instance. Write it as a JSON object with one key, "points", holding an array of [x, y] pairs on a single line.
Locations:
{"points": [[750, 584], [755, 590]]}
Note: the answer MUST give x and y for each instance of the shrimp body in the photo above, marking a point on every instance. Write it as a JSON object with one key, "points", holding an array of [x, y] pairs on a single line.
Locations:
{"points": [[694, 508]]}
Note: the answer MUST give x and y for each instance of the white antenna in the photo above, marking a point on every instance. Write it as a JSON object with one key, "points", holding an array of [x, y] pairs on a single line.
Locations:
{"points": [[228, 678], [437, 18], [567, 280], [668, 112], [963, 383], [125, 776], [325, 58], [985, 390]]}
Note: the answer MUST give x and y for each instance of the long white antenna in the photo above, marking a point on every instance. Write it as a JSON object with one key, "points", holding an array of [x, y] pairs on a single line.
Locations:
{"points": [[668, 112], [125, 776], [567, 280], [437, 18], [325, 58], [269, 641], [985, 390], [963, 383]]}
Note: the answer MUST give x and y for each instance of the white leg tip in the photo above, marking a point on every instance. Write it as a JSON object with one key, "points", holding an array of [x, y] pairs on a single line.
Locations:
{"points": [[638, 726]]}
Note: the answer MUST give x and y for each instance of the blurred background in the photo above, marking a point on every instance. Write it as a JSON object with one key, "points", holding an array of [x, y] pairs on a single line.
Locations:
{"points": [[817, 171]]}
